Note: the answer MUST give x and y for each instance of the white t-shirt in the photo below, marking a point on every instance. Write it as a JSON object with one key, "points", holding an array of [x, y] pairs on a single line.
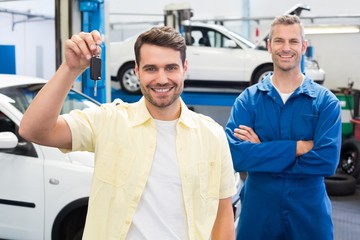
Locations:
{"points": [[161, 211], [284, 96]]}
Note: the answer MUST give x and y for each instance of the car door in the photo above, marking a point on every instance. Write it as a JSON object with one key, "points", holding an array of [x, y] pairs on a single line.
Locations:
{"points": [[21, 188], [211, 60]]}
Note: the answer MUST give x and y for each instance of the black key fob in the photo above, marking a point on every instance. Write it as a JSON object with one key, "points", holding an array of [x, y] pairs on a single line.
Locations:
{"points": [[95, 68]]}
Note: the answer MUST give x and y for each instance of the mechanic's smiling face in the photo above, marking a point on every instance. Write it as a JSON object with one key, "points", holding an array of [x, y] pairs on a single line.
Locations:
{"points": [[161, 75], [286, 47]]}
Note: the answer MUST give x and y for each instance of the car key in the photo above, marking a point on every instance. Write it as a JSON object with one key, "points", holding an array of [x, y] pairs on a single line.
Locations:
{"points": [[95, 71]]}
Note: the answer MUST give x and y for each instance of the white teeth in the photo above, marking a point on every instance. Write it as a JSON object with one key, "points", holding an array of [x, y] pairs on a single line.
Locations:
{"points": [[161, 89]]}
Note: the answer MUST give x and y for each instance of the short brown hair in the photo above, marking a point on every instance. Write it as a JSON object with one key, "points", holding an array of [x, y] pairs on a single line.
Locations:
{"points": [[287, 20], [164, 37]]}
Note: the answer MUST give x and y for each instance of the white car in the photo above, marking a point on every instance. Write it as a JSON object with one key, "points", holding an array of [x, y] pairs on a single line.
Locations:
{"points": [[43, 192], [217, 58]]}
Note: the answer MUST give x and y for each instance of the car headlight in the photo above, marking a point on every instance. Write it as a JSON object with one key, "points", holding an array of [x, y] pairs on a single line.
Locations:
{"points": [[311, 64]]}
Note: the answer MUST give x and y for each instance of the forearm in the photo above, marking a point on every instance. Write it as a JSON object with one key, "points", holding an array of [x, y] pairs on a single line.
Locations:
{"points": [[274, 156], [42, 115], [224, 224]]}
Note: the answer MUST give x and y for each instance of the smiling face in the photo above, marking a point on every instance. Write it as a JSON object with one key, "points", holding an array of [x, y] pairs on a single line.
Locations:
{"points": [[287, 46], [161, 75]]}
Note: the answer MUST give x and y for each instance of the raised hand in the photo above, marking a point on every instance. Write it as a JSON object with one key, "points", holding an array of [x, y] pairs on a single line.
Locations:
{"points": [[80, 48]]}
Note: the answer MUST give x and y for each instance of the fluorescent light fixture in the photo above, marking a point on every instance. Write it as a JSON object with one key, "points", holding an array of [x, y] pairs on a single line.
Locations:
{"points": [[326, 29]]}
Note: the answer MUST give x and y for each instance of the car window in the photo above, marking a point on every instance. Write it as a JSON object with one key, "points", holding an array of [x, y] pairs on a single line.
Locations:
{"points": [[75, 100], [205, 37], [21, 96], [6, 125], [196, 35], [24, 147], [217, 39]]}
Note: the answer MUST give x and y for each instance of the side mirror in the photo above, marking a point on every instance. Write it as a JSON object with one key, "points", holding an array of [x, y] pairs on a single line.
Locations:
{"points": [[8, 140]]}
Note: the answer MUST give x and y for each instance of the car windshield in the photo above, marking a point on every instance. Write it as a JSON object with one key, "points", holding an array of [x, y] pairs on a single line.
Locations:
{"points": [[242, 39], [223, 30], [247, 42], [21, 96]]}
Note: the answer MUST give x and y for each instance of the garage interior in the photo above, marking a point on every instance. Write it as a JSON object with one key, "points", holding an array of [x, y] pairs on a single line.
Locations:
{"points": [[346, 215], [33, 32]]}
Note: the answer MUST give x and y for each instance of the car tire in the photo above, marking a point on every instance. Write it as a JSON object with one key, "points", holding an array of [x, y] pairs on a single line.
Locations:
{"points": [[340, 185], [128, 80], [261, 73], [78, 235], [350, 157]]}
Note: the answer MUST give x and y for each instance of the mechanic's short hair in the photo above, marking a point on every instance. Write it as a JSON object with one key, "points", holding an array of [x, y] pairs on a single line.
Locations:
{"points": [[161, 36], [287, 20]]}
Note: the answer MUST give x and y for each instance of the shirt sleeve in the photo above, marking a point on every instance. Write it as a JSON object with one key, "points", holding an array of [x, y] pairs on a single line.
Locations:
{"points": [[323, 158], [81, 127], [270, 156], [228, 187]]}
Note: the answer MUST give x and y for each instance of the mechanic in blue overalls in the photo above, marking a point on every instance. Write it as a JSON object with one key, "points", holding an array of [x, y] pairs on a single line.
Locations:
{"points": [[285, 132]]}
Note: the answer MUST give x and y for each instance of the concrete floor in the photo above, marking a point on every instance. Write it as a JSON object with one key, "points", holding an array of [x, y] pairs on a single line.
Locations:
{"points": [[346, 216]]}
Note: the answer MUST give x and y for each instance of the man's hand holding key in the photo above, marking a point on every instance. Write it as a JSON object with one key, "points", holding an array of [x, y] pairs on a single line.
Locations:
{"points": [[46, 106], [80, 49]]}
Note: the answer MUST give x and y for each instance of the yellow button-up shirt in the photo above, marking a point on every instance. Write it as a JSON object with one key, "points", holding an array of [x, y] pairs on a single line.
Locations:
{"points": [[123, 137]]}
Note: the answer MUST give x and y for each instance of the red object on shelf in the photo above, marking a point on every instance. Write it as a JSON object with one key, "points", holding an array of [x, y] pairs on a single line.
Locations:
{"points": [[356, 123]]}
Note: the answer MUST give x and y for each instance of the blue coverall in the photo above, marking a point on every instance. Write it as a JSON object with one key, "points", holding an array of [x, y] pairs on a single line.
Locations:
{"points": [[284, 196]]}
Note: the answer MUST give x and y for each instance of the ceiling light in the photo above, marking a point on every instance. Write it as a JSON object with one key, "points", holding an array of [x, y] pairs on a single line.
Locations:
{"points": [[332, 29]]}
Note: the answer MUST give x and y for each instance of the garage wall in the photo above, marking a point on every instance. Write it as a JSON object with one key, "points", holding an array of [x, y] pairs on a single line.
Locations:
{"points": [[34, 42], [337, 54]]}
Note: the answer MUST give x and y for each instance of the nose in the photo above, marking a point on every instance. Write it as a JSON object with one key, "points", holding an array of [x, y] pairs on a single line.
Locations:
{"points": [[286, 46], [162, 77]]}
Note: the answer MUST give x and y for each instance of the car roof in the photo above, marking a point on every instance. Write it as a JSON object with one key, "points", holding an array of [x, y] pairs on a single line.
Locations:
{"points": [[200, 24], [10, 80]]}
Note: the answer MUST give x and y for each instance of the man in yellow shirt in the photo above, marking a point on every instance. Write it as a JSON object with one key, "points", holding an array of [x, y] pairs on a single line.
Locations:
{"points": [[161, 170]]}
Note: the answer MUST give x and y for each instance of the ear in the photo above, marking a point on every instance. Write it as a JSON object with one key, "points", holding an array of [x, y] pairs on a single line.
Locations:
{"points": [[268, 45], [137, 70], [185, 65], [304, 46]]}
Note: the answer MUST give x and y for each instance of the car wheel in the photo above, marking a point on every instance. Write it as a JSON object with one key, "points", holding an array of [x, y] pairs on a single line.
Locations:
{"points": [[128, 80], [78, 235], [261, 73], [350, 157], [71, 226], [340, 185]]}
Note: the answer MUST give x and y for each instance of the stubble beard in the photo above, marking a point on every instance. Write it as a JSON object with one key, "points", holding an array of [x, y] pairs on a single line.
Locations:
{"points": [[163, 102], [286, 67]]}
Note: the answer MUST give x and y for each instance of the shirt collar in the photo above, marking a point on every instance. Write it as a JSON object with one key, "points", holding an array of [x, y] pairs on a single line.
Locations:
{"points": [[307, 88], [139, 114]]}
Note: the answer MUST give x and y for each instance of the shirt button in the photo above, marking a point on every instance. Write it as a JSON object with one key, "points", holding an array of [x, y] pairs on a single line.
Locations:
{"points": [[127, 222]]}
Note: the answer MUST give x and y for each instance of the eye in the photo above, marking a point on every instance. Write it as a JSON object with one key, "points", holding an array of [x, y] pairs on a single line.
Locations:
{"points": [[294, 41], [277, 41], [149, 69], [172, 67]]}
